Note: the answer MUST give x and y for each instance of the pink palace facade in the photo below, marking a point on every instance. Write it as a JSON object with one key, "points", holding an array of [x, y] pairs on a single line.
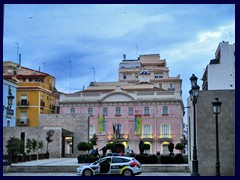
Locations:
{"points": [[145, 104]]}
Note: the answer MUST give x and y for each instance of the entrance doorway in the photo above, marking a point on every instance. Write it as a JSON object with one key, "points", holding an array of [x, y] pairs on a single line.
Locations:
{"points": [[120, 148]]}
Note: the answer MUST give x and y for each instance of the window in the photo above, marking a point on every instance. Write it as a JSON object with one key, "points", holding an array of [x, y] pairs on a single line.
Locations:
{"points": [[23, 100], [130, 111], [165, 130], [147, 130], [90, 111], [171, 87], [119, 160], [8, 122], [23, 117], [165, 110], [146, 111], [118, 111], [105, 111], [158, 76], [72, 110], [160, 86]]}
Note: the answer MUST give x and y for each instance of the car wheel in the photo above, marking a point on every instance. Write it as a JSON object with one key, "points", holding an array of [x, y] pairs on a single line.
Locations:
{"points": [[87, 172], [127, 172]]}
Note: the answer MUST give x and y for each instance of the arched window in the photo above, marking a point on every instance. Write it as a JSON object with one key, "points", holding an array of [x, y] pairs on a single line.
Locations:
{"points": [[146, 110], [118, 111], [147, 131], [165, 110], [90, 111], [165, 130]]}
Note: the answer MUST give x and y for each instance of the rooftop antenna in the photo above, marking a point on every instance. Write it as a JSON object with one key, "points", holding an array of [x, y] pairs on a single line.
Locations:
{"points": [[17, 52], [70, 76], [137, 50]]}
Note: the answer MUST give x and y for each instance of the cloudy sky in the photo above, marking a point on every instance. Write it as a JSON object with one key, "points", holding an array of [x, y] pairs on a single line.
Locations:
{"points": [[83, 37]]}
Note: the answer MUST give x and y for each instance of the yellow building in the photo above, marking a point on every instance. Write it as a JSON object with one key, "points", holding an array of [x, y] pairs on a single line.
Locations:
{"points": [[36, 93]]}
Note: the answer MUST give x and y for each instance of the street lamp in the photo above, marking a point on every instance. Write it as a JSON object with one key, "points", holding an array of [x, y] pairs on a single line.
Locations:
{"points": [[10, 100], [216, 110], [194, 92]]}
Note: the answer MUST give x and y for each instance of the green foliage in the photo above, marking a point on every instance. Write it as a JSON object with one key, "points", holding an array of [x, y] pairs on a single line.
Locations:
{"points": [[84, 146], [179, 146], [146, 146], [49, 136], [87, 158], [146, 159], [40, 146], [28, 145], [94, 139], [171, 147], [34, 145], [13, 145], [141, 147], [172, 159], [111, 146]]}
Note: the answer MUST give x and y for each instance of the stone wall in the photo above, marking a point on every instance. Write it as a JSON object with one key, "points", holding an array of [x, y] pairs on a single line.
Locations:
{"points": [[206, 133], [77, 124]]}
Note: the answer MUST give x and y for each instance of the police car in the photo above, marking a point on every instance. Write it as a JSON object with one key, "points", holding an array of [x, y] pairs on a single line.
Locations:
{"points": [[111, 165]]}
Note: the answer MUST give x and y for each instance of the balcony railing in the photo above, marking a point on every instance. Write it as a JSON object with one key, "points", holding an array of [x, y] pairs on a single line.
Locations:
{"points": [[23, 103], [22, 122], [111, 137], [165, 137], [147, 136]]}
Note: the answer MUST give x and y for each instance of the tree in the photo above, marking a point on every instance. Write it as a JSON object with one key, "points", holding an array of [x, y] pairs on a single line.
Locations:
{"points": [[111, 146], [49, 136], [146, 147], [141, 147], [179, 146], [40, 146], [170, 148], [13, 145], [83, 146], [28, 145], [34, 145], [94, 139]]}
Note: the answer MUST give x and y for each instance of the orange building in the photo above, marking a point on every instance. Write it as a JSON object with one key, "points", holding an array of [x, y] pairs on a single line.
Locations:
{"points": [[36, 93]]}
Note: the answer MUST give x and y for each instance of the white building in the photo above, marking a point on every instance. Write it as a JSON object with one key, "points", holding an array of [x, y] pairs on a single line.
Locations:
{"points": [[220, 72]]}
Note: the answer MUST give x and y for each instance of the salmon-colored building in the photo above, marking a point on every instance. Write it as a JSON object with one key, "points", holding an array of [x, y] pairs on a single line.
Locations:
{"points": [[145, 104]]}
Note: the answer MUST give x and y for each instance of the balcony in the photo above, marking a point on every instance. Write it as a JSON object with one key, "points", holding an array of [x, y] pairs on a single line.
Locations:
{"points": [[23, 104], [117, 137], [10, 112], [165, 137], [147, 137], [22, 122], [42, 104]]}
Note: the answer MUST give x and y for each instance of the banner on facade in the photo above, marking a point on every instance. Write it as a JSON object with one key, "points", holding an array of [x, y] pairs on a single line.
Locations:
{"points": [[138, 124], [101, 124]]}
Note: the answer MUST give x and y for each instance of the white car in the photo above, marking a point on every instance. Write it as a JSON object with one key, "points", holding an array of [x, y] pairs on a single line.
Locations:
{"points": [[111, 165]]}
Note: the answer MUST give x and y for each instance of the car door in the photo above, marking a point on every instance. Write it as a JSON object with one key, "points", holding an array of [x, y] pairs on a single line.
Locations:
{"points": [[117, 164]]}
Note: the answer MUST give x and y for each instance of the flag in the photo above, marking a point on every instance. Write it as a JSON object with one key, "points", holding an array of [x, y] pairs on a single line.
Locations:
{"points": [[114, 129], [138, 124], [101, 124]]}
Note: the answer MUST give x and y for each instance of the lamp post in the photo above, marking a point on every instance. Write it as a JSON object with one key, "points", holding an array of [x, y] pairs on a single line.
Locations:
{"points": [[216, 110], [194, 92], [10, 100]]}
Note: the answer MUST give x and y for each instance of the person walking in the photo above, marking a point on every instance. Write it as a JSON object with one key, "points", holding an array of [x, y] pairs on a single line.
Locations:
{"points": [[104, 150], [127, 151]]}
